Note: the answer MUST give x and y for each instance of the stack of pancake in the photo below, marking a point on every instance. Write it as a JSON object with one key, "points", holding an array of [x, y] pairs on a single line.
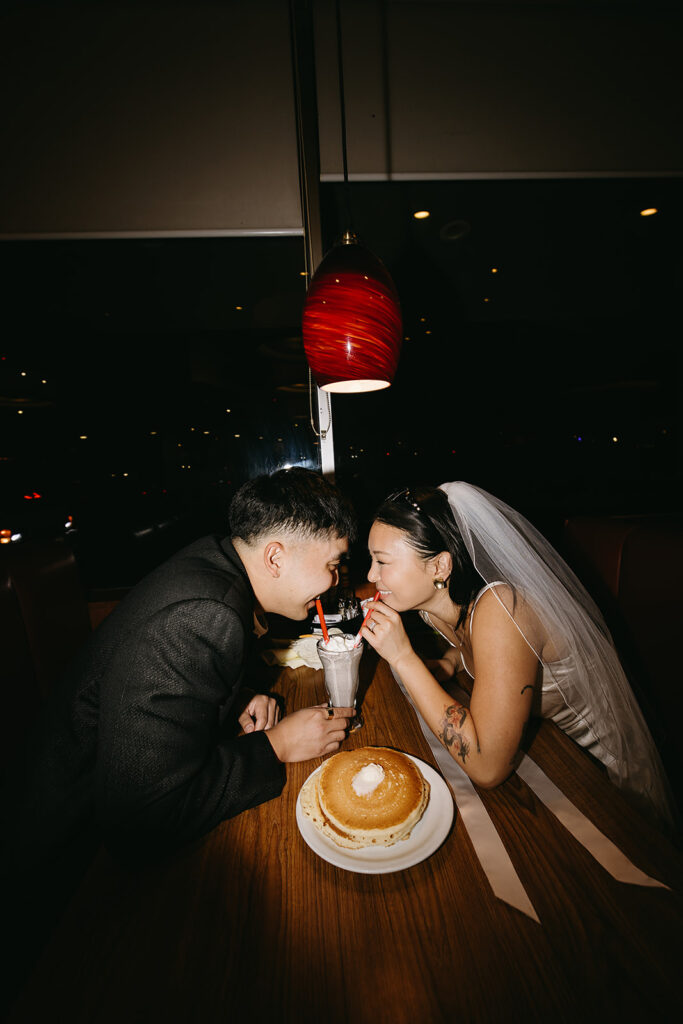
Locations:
{"points": [[373, 796]]}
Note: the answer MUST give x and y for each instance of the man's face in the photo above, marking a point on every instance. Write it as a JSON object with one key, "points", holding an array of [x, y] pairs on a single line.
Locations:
{"points": [[308, 568]]}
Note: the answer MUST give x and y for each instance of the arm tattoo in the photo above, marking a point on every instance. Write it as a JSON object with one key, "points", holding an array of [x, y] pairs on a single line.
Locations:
{"points": [[527, 687], [454, 717]]}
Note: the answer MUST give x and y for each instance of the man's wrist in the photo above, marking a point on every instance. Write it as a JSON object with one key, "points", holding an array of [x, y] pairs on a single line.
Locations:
{"points": [[274, 737]]}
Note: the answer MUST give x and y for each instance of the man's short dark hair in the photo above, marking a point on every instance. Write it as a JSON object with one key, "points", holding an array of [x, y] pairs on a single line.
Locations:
{"points": [[296, 500]]}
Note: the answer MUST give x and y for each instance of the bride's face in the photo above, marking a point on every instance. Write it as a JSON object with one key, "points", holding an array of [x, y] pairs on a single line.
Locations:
{"points": [[403, 579]]}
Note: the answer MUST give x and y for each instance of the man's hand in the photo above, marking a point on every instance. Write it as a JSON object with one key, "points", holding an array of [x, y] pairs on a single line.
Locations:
{"points": [[262, 712], [310, 733]]}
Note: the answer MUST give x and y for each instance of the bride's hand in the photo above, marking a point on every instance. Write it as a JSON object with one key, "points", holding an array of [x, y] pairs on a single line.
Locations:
{"points": [[384, 631]]}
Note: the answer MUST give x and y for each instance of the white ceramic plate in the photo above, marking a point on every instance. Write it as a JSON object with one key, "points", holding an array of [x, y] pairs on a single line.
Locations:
{"points": [[426, 837]]}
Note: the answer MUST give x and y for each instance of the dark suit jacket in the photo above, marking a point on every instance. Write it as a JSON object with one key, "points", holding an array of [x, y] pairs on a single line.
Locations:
{"points": [[138, 742]]}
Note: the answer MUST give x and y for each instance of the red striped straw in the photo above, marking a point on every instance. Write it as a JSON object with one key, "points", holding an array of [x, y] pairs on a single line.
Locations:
{"points": [[326, 635], [367, 616]]}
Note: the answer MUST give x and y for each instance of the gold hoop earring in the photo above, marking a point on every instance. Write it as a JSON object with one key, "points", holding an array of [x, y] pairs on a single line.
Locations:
{"points": [[440, 584]]}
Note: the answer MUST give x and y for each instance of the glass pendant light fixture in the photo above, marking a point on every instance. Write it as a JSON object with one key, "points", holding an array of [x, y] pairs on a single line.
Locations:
{"points": [[352, 326]]}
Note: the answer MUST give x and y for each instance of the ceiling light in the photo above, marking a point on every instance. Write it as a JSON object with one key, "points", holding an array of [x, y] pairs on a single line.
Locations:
{"points": [[421, 214], [352, 324]]}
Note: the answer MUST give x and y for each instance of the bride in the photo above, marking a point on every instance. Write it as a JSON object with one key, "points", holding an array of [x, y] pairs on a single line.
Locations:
{"points": [[519, 623]]}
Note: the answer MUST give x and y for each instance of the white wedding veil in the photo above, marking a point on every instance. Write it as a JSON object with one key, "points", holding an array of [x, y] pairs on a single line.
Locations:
{"points": [[561, 623]]}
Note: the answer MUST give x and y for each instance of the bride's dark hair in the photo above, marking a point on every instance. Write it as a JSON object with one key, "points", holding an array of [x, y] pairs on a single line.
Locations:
{"points": [[424, 515]]}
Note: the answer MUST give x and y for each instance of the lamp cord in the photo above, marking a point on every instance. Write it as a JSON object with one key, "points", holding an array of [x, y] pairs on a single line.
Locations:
{"points": [[342, 113]]}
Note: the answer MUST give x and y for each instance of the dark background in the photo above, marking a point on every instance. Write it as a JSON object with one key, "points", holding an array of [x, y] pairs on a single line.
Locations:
{"points": [[555, 382]]}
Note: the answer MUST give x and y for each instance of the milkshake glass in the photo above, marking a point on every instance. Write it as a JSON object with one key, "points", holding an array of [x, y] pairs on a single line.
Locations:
{"points": [[341, 663]]}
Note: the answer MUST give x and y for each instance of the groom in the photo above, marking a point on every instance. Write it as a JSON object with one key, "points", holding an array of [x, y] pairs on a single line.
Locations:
{"points": [[141, 739], [150, 740]]}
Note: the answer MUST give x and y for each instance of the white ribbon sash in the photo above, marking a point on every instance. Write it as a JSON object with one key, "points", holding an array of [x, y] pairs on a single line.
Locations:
{"points": [[598, 845], [488, 845]]}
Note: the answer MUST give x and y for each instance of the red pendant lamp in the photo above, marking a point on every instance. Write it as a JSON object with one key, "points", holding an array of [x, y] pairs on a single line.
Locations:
{"points": [[352, 316], [352, 324]]}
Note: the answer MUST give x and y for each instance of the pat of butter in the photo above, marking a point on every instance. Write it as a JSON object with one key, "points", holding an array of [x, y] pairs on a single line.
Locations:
{"points": [[367, 779]]}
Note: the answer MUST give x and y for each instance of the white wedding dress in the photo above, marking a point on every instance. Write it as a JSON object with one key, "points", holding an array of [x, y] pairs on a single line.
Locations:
{"points": [[583, 688], [555, 699]]}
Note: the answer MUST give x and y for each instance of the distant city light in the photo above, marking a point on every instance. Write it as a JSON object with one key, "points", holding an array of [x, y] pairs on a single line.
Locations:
{"points": [[494, 270], [83, 437], [239, 307], [649, 211], [23, 373], [20, 412], [487, 300], [421, 214], [615, 439]]}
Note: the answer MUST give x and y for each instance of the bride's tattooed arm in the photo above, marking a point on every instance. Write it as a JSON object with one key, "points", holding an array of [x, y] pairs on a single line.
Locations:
{"points": [[450, 734]]}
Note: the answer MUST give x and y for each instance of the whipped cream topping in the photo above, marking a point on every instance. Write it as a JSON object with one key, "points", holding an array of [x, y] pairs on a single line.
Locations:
{"points": [[367, 779], [337, 644]]}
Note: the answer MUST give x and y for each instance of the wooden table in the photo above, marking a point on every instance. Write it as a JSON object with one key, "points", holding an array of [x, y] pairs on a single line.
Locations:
{"points": [[249, 924]]}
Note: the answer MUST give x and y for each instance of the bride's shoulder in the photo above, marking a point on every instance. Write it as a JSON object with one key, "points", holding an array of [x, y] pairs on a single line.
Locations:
{"points": [[500, 606], [497, 600], [495, 593]]}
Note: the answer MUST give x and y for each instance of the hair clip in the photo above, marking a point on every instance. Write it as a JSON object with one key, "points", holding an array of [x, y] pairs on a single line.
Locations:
{"points": [[406, 495]]}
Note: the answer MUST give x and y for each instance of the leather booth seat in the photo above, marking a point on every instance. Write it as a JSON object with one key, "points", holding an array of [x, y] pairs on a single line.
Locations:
{"points": [[633, 567], [43, 622]]}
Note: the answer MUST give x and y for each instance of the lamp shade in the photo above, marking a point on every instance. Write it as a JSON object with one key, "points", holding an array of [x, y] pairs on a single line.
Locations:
{"points": [[352, 324]]}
